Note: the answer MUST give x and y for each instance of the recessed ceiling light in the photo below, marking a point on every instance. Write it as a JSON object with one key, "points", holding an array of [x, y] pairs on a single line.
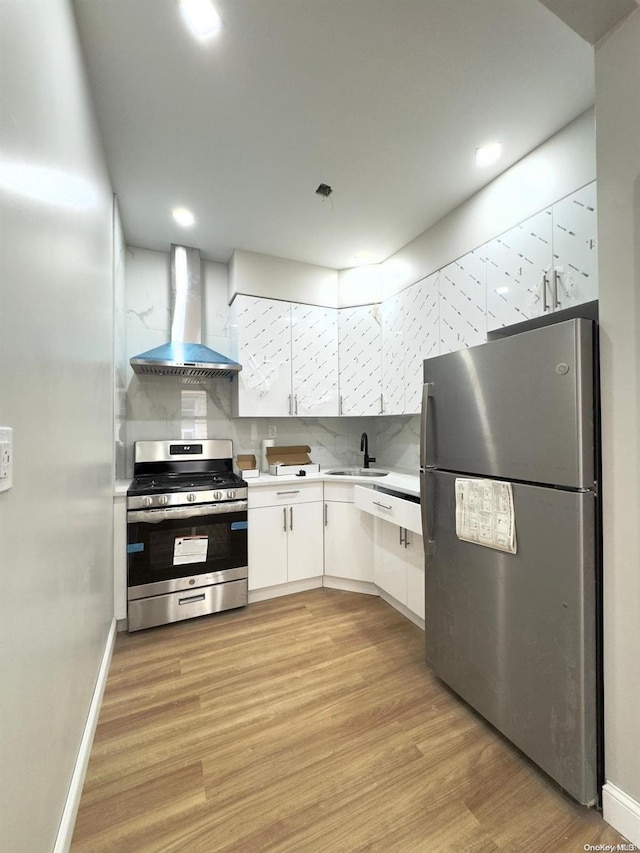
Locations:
{"points": [[183, 216], [202, 19], [488, 154]]}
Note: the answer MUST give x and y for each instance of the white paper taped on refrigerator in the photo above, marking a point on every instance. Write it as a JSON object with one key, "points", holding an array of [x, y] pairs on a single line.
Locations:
{"points": [[484, 514]]}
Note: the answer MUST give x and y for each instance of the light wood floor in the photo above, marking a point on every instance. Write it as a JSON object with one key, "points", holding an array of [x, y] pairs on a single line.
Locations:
{"points": [[306, 723]]}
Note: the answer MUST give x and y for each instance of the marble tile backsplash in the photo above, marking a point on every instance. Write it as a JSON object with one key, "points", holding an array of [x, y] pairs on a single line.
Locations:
{"points": [[397, 442], [164, 408]]}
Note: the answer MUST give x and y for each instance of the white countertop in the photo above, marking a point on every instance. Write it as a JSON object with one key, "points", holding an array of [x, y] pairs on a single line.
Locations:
{"points": [[408, 484]]}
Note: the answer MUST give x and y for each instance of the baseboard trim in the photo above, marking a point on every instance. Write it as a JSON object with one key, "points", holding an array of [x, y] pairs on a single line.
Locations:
{"points": [[409, 614], [348, 585], [622, 812], [289, 588], [67, 823]]}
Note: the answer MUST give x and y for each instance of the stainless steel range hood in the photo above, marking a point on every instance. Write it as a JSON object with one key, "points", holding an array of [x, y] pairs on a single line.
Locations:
{"points": [[185, 355]]}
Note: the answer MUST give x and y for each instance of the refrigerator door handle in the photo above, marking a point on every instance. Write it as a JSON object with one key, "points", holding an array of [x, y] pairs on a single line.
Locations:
{"points": [[427, 391], [426, 502]]}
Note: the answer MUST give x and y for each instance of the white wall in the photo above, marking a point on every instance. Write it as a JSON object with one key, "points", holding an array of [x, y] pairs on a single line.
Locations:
{"points": [[562, 164], [56, 391], [618, 151], [120, 363], [279, 278]]}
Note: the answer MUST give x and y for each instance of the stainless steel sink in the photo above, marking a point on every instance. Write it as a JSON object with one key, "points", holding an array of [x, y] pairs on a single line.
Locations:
{"points": [[357, 472]]}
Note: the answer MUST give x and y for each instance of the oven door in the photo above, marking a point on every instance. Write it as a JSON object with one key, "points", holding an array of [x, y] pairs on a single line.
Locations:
{"points": [[195, 543]]}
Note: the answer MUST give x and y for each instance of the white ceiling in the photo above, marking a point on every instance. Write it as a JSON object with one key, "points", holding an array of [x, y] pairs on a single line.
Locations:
{"points": [[385, 100]]}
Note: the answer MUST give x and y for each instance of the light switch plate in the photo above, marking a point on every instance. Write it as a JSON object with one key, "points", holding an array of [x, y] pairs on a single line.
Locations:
{"points": [[6, 458]]}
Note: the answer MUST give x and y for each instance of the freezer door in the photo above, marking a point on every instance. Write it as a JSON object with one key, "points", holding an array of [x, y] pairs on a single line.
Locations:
{"points": [[515, 634], [519, 408]]}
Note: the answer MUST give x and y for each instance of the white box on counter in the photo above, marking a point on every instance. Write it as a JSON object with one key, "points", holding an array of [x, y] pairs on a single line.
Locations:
{"points": [[291, 460], [245, 466]]}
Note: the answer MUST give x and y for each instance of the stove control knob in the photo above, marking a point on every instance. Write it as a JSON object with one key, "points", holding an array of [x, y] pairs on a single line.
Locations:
{"points": [[191, 497], [147, 501], [217, 496], [231, 494], [163, 500]]}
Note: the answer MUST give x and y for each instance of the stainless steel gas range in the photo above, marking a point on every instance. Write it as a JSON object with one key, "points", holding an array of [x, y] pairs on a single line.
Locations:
{"points": [[186, 532]]}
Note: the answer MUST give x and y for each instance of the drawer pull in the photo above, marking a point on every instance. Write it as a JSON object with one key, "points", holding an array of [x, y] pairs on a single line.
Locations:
{"points": [[291, 492], [384, 506], [191, 599]]}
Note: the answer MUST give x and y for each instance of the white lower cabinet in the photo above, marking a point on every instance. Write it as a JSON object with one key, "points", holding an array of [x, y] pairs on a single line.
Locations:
{"points": [[398, 547], [414, 554], [348, 535], [285, 540], [389, 563], [399, 565], [353, 534]]}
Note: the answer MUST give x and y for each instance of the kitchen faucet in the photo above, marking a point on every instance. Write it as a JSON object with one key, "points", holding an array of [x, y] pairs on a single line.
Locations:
{"points": [[364, 445]]}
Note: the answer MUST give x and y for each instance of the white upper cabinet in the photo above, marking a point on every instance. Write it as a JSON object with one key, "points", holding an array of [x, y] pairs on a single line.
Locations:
{"points": [[314, 360], [309, 361], [517, 263], [421, 336], [289, 358], [393, 355], [575, 252], [545, 264], [463, 302], [410, 333], [359, 353], [261, 335]]}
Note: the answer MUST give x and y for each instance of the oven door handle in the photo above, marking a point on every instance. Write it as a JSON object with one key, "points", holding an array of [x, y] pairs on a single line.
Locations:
{"points": [[156, 516]]}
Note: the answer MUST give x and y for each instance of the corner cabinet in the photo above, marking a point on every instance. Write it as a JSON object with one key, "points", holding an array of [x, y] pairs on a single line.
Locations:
{"points": [[546, 263], [410, 333], [348, 535], [289, 357], [463, 302], [314, 360], [360, 359]]}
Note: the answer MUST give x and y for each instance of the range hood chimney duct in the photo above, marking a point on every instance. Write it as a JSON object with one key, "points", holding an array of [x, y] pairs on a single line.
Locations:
{"points": [[185, 355]]}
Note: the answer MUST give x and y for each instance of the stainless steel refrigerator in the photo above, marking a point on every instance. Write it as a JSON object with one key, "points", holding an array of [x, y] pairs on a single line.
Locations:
{"points": [[516, 635]]}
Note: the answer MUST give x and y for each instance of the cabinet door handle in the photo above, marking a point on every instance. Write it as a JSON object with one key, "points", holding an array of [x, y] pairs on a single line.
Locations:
{"points": [[384, 506], [407, 541], [284, 516], [290, 405], [382, 404], [556, 276], [295, 404], [544, 284], [401, 537], [340, 404], [290, 518], [326, 514]]}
